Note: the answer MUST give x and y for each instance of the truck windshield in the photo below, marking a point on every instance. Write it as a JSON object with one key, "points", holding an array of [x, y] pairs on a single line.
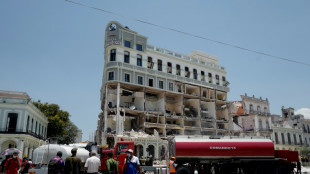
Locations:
{"points": [[121, 148]]}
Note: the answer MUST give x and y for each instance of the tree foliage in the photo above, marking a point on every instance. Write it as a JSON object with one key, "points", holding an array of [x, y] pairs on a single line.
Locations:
{"points": [[59, 125]]}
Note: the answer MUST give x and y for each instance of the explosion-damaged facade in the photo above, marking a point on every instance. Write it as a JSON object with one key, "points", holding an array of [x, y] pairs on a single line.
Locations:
{"points": [[149, 88], [250, 117]]}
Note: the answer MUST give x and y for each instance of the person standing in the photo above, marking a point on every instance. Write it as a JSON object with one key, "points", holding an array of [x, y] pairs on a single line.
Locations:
{"points": [[25, 166], [56, 165], [73, 164], [12, 165], [92, 164], [7, 157], [132, 164], [173, 165], [112, 167]]}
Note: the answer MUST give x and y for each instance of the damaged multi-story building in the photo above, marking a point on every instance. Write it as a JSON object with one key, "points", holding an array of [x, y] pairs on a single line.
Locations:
{"points": [[147, 88], [290, 130], [250, 117]]}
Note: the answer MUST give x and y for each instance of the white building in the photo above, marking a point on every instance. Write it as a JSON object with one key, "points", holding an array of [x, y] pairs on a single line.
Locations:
{"points": [[290, 131], [250, 117], [79, 136], [149, 88], [22, 125]]}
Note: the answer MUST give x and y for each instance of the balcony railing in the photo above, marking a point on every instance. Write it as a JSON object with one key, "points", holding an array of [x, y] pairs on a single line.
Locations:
{"points": [[20, 131]]}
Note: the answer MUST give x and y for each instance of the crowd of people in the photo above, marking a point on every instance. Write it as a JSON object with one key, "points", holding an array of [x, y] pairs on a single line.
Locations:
{"points": [[73, 165], [13, 164]]}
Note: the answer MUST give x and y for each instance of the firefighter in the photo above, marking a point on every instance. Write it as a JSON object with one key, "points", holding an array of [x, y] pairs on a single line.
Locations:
{"points": [[173, 165]]}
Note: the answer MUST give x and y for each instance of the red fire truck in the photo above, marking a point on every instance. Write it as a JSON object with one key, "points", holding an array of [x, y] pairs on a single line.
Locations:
{"points": [[221, 156]]}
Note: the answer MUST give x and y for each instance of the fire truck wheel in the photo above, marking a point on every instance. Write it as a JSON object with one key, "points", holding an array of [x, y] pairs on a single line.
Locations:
{"points": [[183, 170]]}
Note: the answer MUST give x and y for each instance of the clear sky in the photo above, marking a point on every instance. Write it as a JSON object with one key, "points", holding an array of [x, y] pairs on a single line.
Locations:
{"points": [[54, 50]]}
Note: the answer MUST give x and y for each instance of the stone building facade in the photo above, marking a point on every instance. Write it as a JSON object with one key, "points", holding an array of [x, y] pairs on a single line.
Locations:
{"points": [[22, 125], [250, 117], [149, 88]]}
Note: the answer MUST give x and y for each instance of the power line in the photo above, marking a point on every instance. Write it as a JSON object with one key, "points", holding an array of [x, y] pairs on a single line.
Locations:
{"points": [[190, 34]]}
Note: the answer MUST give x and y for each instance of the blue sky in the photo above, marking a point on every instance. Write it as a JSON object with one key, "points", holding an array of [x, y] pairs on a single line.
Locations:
{"points": [[54, 50]]}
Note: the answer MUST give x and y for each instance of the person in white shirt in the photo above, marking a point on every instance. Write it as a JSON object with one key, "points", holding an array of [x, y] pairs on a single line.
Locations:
{"points": [[132, 164], [93, 163]]}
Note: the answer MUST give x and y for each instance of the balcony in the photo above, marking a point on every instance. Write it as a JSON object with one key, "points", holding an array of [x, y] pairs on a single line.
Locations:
{"points": [[20, 131]]}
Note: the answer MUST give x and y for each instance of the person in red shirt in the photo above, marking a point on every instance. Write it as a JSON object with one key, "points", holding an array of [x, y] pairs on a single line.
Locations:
{"points": [[13, 164]]}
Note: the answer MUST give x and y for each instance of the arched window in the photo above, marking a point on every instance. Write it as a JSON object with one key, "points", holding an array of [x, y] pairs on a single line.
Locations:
{"points": [[195, 74], [27, 127], [202, 76], [258, 109], [251, 108], [210, 77], [187, 73]]}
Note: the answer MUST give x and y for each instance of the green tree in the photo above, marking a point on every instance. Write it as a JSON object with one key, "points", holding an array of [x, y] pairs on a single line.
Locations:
{"points": [[59, 125]]}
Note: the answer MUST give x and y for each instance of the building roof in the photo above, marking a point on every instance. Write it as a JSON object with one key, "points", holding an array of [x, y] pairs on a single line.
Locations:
{"points": [[14, 94]]}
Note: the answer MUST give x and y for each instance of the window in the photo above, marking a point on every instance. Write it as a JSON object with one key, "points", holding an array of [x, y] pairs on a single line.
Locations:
{"points": [[295, 139], [150, 63], [127, 77], [12, 122], [140, 80], [187, 73], [202, 76], [170, 86], [31, 125], [223, 79], [159, 65], [126, 57], [113, 55], [251, 108], [300, 140], [210, 77], [139, 60], [169, 67], [139, 47], [151, 82], [127, 43], [111, 75], [258, 109], [27, 127], [195, 74], [161, 84], [36, 130], [178, 70], [217, 77]]}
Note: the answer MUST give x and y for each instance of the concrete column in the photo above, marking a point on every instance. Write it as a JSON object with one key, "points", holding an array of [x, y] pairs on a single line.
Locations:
{"points": [[20, 146], [30, 153], [118, 126], [25, 151], [144, 149], [105, 115]]}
